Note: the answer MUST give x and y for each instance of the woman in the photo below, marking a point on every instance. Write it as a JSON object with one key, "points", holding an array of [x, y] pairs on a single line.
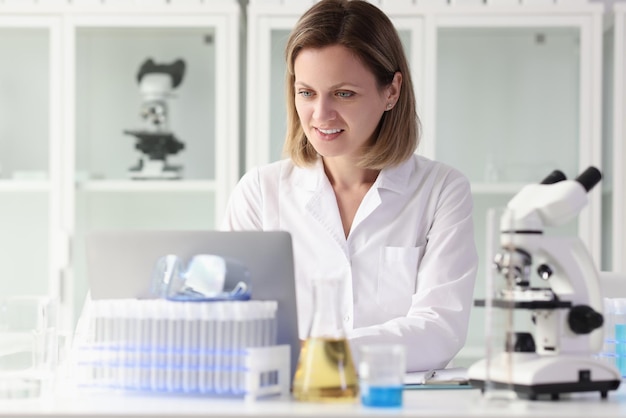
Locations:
{"points": [[359, 203]]}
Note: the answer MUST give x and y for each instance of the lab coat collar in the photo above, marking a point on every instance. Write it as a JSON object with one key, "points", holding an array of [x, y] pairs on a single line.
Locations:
{"points": [[312, 177], [396, 178], [392, 178]]}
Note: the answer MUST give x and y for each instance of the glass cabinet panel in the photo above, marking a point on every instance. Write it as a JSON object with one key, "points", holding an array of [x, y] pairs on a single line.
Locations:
{"points": [[619, 141], [266, 115], [278, 111], [24, 103], [28, 164], [24, 243], [614, 141], [109, 99], [508, 102], [609, 96]]}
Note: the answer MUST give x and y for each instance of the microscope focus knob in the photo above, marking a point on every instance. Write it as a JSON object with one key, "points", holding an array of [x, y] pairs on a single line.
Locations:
{"points": [[544, 271], [582, 319]]}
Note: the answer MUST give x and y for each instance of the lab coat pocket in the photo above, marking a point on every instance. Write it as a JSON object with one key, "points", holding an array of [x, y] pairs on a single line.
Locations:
{"points": [[397, 278]]}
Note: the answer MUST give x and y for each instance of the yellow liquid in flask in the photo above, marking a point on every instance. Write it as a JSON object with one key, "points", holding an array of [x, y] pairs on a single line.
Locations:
{"points": [[325, 372]]}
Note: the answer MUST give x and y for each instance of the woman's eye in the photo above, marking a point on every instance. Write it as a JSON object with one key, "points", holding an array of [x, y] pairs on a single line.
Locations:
{"points": [[305, 93], [345, 94]]}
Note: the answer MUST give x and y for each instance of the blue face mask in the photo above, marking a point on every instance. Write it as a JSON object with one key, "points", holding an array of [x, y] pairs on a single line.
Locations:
{"points": [[205, 278]]}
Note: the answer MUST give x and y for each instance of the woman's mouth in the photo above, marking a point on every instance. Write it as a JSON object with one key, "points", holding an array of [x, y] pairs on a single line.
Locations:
{"points": [[328, 134]]}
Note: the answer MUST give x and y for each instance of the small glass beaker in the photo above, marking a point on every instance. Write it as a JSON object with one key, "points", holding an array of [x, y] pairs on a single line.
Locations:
{"points": [[615, 332], [494, 373], [325, 371], [381, 374], [28, 345]]}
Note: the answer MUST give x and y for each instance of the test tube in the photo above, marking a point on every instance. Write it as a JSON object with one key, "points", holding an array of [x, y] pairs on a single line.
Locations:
{"points": [[240, 342], [159, 347], [119, 339], [222, 335], [206, 347], [175, 346], [143, 343], [190, 347]]}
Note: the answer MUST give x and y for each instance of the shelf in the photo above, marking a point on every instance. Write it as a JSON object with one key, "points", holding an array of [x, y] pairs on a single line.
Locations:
{"points": [[13, 186], [139, 186], [496, 188], [139, 7]]}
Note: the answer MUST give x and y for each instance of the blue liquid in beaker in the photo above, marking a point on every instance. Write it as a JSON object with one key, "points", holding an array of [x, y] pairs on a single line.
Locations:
{"points": [[381, 396], [620, 348]]}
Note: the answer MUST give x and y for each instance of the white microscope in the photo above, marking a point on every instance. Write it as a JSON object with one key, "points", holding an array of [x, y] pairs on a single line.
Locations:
{"points": [[155, 140], [566, 311]]}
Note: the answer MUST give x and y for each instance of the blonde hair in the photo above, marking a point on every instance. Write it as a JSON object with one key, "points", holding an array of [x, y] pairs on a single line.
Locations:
{"points": [[366, 31]]}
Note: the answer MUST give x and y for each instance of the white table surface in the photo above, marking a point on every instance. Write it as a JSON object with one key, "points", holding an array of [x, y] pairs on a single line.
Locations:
{"points": [[417, 403]]}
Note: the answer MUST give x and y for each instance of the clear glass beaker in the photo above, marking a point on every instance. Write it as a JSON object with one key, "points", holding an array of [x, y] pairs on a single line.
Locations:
{"points": [[28, 345], [325, 371], [495, 373], [614, 348], [381, 374]]}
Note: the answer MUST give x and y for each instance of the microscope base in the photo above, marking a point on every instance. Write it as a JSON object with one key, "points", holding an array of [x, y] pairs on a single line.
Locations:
{"points": [[530, 375], [155, 170], [157, 176]]}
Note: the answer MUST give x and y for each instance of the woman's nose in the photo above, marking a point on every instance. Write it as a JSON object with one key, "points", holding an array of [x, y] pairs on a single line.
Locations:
{"points": [[324, 110]]}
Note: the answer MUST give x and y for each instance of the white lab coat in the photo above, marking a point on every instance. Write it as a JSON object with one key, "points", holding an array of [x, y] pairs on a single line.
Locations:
{"points": [[409, 262]]}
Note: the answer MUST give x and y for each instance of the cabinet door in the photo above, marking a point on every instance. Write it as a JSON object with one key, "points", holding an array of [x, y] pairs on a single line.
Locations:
{"points": [[266, 120], [516, 97], [614, 198], [268, 26], [107, 99], [29, 156]]}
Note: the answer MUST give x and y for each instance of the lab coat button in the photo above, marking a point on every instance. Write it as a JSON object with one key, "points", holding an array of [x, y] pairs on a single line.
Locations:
{"points": [[346, 318]]}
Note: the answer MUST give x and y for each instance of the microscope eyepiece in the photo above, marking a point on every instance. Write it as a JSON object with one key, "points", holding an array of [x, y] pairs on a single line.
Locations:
{"points": [[554, 177], [589, 178]]}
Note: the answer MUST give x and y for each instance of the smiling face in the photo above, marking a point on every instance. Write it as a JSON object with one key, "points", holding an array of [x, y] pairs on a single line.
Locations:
{"points": [[338, 101]]}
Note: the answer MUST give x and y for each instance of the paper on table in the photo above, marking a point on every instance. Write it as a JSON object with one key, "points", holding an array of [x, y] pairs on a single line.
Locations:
{"points": [[453, 375]]}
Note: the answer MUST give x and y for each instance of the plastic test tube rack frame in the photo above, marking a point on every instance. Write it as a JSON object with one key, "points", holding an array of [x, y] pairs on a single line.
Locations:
{"points": [[204, 348]]}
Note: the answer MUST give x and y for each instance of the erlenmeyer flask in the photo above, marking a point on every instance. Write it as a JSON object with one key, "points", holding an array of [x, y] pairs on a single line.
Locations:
{"points": [[325, 371]]}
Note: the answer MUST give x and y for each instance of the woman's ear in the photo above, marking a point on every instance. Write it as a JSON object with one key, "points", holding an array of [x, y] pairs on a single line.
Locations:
{"points": [[393, 90]]}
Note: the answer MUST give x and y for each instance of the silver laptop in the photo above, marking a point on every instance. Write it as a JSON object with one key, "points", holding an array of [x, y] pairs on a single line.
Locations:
{"points": [[120, 265]]}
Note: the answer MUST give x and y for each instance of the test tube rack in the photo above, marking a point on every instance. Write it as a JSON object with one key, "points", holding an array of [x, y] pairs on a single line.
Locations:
{"points": [[225, 348]]}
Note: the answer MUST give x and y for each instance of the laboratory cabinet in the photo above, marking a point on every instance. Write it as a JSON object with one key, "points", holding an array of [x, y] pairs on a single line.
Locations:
{"points": [[614, 136], [517, 96], [80, 156], [507, 92]]}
